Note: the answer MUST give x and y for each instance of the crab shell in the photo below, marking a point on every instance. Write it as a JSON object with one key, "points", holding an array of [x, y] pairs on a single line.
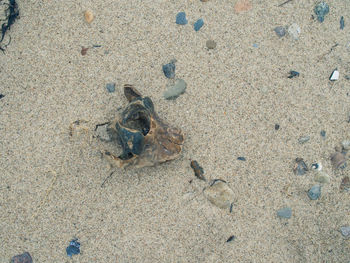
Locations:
{"points": [[146, 139]]}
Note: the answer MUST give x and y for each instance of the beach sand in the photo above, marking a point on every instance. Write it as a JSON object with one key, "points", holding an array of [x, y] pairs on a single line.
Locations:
{"points": [[51, 181]]}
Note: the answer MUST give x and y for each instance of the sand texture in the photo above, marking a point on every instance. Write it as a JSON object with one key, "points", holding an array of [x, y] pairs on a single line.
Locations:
{"points": [[51, 170]]}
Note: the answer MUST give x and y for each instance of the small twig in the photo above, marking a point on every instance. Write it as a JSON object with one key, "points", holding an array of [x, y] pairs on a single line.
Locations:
{"points": [[328, 52], [285, 3], [105, 180]]}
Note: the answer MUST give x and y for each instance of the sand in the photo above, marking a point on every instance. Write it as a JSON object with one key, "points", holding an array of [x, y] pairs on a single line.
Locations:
{"points": [[51, 182]]}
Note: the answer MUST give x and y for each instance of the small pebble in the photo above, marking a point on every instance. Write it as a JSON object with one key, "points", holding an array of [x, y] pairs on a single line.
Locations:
{"points": [[211, 44], [1, 96], [280, 31], [323, 133], [345, 231], [23, 258], [304, 139], [300, 167], [322, 178], [231, 238], [84, 50], [334, 76], [181, 18], [73, 248], [255, 45], [110, 87], [241, 158], [321, 9], [342, 23], [294, 30], [293, 74], [316, 166], [175, 90], [345, 184], [198, 24], [89, 16], [315, 192], [346, 145], [219, 194], [338, 160], [198, 170], [277, 126], [285, 212], [169, 70]]}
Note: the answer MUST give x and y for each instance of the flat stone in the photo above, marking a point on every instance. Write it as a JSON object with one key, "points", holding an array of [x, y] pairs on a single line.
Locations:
{"points": [[175, 90], [294, 30], [198, 24], [280, 31], [315, 192], [181, 18], [23, 258], [322, 178], [345, 231], [285, 212], [219, 194], [211, 44]]}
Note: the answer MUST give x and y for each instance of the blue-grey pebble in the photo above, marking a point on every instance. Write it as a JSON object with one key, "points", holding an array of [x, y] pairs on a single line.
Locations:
{"points": [[73, 248], [342, 23], [280, 31], [321, 10], [345, 231], [315, 192], [199, 23], [323, 133], [110, 87], [174, 91], [181, 18], [285, 212], [169, 70]]}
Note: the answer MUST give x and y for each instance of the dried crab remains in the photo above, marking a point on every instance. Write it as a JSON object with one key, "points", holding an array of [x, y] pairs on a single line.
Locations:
{"points": [[146, 140]]}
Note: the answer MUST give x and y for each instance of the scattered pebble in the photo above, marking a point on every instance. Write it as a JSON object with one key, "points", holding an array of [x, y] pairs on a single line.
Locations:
{"points": [[1, 96], [89, 16], [300, 168], [23, 258], [198, 24], [84, 50], [345, 184], [323, 133], [346, 145], [342, 23], [169, 69], [316, 166], [315, 192], [241, 158], [338, 160], [280, 31], [255, 45], [110, 87], [211, 44], [304, 139], [198, 170], [277, 126], [345, 231], [231, 238], [242, 5], [175, 90], [294, 30], [219, 194], [334, 76], [293, 74], [322, 178], [321, 9], [285, 212], [73, 248], [181, 18]]}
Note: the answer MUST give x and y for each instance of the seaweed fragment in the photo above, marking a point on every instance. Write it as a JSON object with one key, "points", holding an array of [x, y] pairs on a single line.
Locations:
{"points": [[11, 14]]}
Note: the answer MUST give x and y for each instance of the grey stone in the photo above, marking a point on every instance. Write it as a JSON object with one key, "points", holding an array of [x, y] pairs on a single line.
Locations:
{"points": [[321, 9], [211, 44], [110, 87], [175, 90], [280, 31], [315, 192], [304, 139], [219, 194], [285, 212], [294, 30], [345, 231], [169, 69]]}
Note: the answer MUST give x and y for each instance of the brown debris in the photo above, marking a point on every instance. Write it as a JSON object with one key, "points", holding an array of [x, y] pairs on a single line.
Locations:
{"points": [[345, 184], [84, 51], [89, 16], [198, 170]]}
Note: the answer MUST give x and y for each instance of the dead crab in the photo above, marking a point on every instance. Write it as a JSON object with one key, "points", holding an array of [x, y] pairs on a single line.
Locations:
{"points": [[145, 139]]}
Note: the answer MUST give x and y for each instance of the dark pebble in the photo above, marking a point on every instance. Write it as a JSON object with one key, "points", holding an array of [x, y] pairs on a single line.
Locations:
{"points": [[315, 166], [293, 74], [211, 44], [181, 18], [23, 258], [323, 133], [231, 238], [241, 158], [321, 10], [280, 31], [199, 23], [110, 87], [285, 212], [277, 126], [315, 192], [169, 70], [300, 167], [73, 248], [345, 184], [342, 23], [1, 96]]}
